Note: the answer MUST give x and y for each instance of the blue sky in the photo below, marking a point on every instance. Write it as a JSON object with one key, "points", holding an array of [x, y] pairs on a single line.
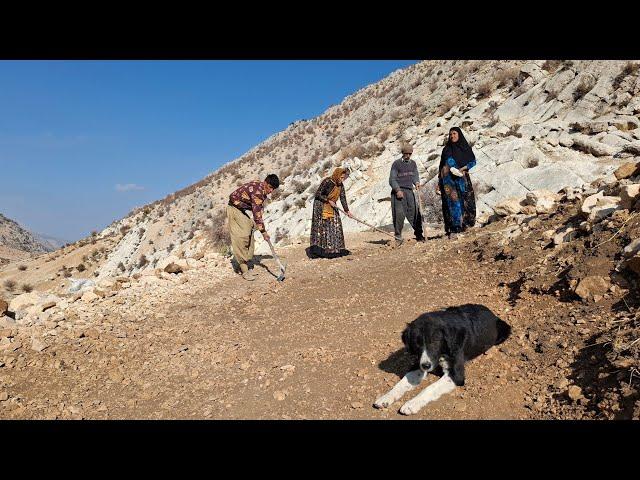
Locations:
{"points": [[84, 142]]}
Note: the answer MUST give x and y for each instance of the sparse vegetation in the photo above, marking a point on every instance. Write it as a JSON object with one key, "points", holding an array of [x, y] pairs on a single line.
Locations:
{"points": [[508, 77], [586, 84], [9, 285], [142, 261], [219, 232], [629, 69], [484, 89], [81, 267], [26, 287], [22, 268], [551, 65], [121, 267], [513, 131]]}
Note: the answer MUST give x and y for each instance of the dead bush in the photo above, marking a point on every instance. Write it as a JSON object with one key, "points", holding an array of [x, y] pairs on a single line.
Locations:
{"points": [[513, 131], [508, 77], [551, 65], [585, 86], [26, 287], [301, 202], [22, 268], [629, 69], [484, 89], [9, 285], [81, 267], [219, 232], [121, 267], [300, 187], [142, 261]]}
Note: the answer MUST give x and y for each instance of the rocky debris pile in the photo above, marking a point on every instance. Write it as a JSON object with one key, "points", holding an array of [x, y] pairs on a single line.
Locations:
{"points": [[583, 252]]}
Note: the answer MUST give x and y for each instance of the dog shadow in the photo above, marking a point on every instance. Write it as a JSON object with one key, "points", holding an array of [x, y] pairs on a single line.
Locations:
{"points": [[398, 363]]}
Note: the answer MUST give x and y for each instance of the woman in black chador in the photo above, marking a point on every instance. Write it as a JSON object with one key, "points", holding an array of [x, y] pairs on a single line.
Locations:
{"points": [[454, 184]]}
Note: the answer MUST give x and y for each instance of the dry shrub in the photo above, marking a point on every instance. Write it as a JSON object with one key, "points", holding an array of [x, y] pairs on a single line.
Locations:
{"points": [[584, 87], [508, 77], [447, 104], [22, 268], [27, 288], [395, 114], [484, 89], [219, 232], [354, 150], [300, 187], [280, 235], [9, 285], [81, 267], [301, 202], [629, 69], [142, 261], [551, 65], [513, 131]]}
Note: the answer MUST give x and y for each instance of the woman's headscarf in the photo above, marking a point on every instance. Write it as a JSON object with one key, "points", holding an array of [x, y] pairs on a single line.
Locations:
{"points": [[460, 150], [337, 173]]}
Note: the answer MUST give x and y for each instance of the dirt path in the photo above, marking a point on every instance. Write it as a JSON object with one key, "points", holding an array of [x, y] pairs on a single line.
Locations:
{"points": [[321, 345]]}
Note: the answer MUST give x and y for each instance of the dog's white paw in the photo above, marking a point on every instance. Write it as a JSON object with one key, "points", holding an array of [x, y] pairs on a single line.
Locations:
{"points": [[383, 402], [409, 408]]}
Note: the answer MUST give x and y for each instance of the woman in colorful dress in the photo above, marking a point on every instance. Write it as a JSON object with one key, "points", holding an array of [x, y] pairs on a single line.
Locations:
{"points": [[327, 238], [454, 184]]}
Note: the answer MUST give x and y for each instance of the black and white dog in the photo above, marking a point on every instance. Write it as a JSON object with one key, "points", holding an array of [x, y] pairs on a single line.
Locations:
{"points": [[446, 339]]}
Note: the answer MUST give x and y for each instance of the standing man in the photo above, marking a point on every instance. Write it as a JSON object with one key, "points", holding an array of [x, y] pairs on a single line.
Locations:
{"points": [[248, 197], [403, 176]]}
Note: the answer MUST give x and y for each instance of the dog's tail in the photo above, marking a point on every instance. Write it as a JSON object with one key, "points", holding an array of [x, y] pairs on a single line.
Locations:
{"points": [[504, 330]]}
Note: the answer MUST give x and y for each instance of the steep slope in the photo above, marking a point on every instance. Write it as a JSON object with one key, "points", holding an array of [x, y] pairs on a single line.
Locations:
{"points": [[534, 125]]}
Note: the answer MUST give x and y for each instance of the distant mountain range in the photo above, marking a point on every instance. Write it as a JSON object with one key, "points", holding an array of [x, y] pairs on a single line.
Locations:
{"points": [[15, 236]]}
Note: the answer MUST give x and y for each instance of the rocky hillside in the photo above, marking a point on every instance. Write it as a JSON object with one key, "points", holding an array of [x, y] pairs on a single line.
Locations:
{"points": [[13, 236], [534, 125]]}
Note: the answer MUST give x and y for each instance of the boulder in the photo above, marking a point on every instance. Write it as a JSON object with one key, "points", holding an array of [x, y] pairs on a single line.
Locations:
{"points": [[510, 206], [81, 285], [177, 267], [542, 200], [89, 297], [36, 300], [593, 147], [627, 170], [598, 206], [633, 263], [593, 286], [563, 235], [631, 249], [172, 264], [629, 194], [7, 322]]}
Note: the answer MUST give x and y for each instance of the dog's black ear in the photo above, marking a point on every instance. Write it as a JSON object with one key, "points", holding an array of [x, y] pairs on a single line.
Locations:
{"points": [[456, 368]]}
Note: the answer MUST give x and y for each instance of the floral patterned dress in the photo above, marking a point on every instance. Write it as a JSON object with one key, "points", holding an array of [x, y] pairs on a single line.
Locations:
{"points": [[327, 237]]}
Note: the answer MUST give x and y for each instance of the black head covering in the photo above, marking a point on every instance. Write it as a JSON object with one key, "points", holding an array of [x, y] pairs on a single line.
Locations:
{"points": [[460, 150]]}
